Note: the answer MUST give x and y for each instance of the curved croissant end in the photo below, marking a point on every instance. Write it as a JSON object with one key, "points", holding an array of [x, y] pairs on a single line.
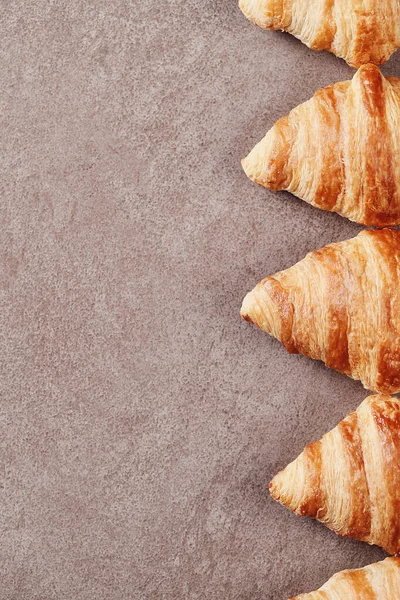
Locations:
{"points": [[350, 479], [339, 151], [341, 305], [358, 36], [267, 163], [379, 581], [301, 496], [258, 12], [269, 308], [257, 308]]}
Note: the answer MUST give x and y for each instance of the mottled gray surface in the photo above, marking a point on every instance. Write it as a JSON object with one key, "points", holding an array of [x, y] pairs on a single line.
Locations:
{"points": [[141, 420]]}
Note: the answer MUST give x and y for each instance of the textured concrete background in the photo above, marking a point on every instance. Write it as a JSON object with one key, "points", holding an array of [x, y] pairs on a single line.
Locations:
{"points": [[141, 420]]}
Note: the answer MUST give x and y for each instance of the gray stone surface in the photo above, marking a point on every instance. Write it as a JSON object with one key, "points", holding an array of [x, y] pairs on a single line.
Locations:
{"points": [[141, 420]]}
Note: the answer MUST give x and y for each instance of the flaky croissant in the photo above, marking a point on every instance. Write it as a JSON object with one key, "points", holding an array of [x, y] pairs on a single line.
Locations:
{"points": [[380, 581], [341, 305], [358, 32], [339, 151], [350, 479]]}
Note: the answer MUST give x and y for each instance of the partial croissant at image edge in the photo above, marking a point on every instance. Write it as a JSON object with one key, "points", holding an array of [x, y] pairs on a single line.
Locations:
{"points": [[379, 581], [339, 151], [349, 480], [359, 37], [341, 305]]}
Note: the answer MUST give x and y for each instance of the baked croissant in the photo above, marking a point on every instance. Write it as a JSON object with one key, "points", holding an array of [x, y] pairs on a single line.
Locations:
{"points": [[357, 32], [339, 151], [350, 479], [341, 305], [380, 581]]}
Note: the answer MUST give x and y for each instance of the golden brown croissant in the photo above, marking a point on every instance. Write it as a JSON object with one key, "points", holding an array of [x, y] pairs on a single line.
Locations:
{"points": [[359, 32], [380, 581], [339, 151], [341, 305], [350, 479]]}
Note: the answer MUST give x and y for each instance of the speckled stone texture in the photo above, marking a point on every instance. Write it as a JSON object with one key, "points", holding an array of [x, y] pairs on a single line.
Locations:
{"points": [[140, 419]]}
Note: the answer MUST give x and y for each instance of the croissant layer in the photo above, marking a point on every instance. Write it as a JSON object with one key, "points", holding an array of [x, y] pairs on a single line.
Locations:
{"points": [[339, 151], [380, 581], [359, 32], [341, 305], [350, 479]]}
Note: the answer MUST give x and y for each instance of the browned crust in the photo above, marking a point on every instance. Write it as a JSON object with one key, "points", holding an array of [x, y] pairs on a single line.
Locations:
{"points": [[341, 305], [340, 151]]}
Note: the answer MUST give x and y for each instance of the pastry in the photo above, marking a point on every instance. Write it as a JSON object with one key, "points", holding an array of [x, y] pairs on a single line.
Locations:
{"points": [[380, 581], [359, 32], [350, 479], [341, 305], [339, 151]]}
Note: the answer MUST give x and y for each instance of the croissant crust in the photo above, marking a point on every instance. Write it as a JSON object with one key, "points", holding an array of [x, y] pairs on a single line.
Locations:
{"points": [[359, 32], [350, 479], [339, 151], [380, 581], [341, 305]]}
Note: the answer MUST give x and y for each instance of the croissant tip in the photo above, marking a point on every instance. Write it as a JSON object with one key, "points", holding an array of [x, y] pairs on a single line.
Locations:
{"points": [[245, 309], [254, 165], [275, 489], [253, 12], [246, 318], [247, 166], [245, 313]]}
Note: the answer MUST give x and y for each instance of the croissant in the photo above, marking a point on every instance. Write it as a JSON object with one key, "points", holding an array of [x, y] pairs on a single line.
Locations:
{"points": [[339, 151], [341, 305], [357, 32], [350, 479], [380, 581]]}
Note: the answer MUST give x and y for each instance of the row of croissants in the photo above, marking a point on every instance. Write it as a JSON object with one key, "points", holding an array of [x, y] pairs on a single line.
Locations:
{"points": [[340, 151]]}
